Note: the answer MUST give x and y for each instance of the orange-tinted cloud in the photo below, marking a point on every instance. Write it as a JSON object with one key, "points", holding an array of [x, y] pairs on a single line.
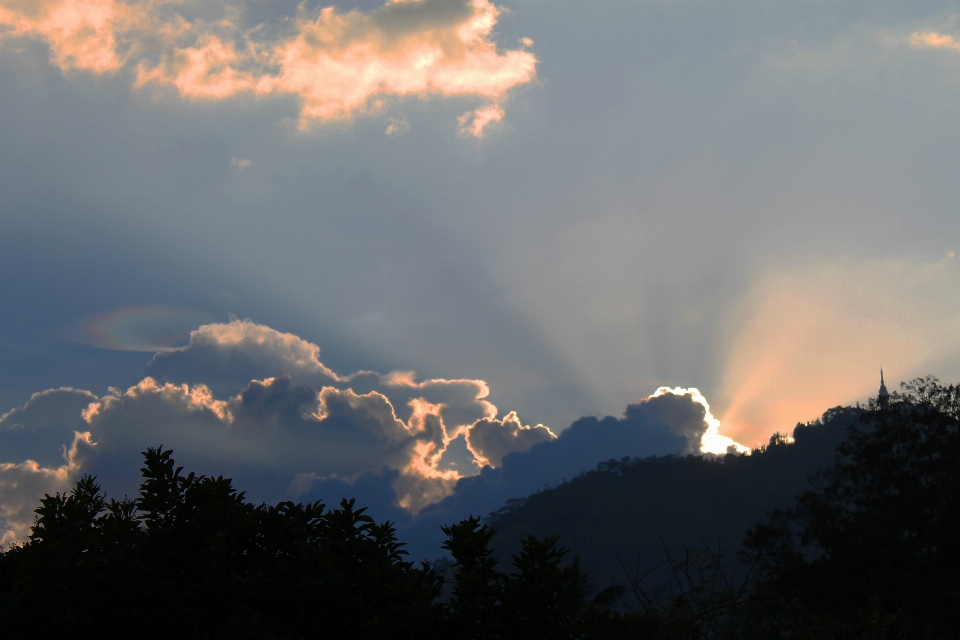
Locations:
{"points": [[82, 34], [814, 335], [474, 122], [22, 484], [934, 40], [338, 64]]}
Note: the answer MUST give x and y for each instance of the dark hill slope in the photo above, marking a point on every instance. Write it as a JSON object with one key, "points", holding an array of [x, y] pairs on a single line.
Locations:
{"points": [[632, 508]]}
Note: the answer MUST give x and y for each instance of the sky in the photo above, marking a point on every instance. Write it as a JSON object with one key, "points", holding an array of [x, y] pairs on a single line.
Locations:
{"points": [[378, 247]]}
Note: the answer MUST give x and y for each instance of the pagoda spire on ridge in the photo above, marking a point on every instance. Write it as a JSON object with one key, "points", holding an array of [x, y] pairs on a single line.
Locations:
{"points": [[882, 396]]}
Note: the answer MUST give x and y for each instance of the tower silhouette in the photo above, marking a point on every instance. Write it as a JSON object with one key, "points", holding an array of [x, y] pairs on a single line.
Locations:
{"points": [[882, 396]]}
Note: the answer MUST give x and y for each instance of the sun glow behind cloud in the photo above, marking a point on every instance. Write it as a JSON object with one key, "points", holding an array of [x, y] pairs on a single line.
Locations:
{"points": [[711, 441], [337, 63], [814, 335]]}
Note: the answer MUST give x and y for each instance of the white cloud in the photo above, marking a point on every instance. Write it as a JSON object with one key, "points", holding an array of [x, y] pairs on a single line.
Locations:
{"points": [[475, 122]]}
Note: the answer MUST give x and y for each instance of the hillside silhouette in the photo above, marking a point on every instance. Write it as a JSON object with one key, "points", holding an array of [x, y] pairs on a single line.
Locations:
{"points": [[637, 509], [857, 523]]}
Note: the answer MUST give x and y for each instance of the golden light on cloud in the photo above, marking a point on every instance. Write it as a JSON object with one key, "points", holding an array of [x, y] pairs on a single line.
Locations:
{"points": [[82, 34], [474, 122], [337, 63], [934, 40], [814, 335]]}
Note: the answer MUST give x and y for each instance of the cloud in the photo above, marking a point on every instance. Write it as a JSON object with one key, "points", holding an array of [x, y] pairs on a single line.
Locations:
{"points": [[397, 127], [82, 34], [699, 427], [816, 332], [491, 439], [277, 429], [671, 421], [337, 64], [43, 428], [474, 122], [258, 405], [240, 163], [934, 40], [225, 357], [39, 453], [22, 484], [272, 432]]}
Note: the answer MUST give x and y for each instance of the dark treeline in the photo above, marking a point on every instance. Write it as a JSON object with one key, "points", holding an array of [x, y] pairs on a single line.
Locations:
{"points": [[868, 549], [191, 558]]}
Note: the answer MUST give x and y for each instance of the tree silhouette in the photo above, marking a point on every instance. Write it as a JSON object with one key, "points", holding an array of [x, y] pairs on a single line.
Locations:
{"points": [[872, 547], [478, 586], [544, 596], [190, 557]]}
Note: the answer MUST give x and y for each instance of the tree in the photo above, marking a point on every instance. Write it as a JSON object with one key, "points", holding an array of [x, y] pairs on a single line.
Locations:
{"points": [[192, 558], [872, 547], [477, 585], [544, 597]]}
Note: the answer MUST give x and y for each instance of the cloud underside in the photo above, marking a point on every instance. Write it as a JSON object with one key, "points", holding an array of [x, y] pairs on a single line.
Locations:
{"points": [[337, 64], [259, 405]]}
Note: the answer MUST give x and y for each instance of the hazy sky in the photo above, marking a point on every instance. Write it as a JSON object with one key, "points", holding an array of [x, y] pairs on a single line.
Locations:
{"points": [[573, 203]]}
